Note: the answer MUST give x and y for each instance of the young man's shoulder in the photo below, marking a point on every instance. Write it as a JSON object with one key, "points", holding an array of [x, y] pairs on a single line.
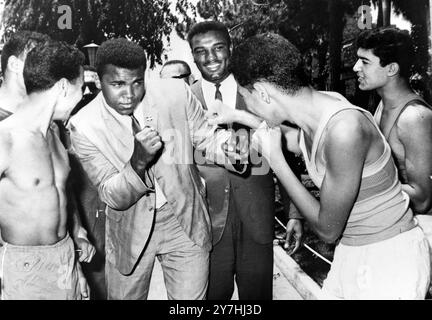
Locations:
{"points": [[415, 115], [347, 128]]}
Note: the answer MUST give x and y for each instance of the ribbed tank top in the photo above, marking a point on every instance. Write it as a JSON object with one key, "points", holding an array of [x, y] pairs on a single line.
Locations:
{"points": [[381, 209]]}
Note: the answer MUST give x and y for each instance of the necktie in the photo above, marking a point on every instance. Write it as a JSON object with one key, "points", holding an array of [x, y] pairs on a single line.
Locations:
{"points": [[135, 125], [135, 129], [218, 94]]}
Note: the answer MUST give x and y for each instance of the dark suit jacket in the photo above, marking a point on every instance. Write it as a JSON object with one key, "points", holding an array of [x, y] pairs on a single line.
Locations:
{"points": [[253, 191], [104, 147]]}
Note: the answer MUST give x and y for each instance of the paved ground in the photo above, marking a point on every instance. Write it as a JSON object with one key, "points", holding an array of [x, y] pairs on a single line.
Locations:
{"points": [[282, 289]]}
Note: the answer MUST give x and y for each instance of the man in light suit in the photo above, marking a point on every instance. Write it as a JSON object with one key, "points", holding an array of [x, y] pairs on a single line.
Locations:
{"points": [[241, 207], [136, 143]]}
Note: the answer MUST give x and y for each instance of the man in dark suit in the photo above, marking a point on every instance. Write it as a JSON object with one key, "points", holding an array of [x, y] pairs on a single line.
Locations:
{"points": [[241, 207]]}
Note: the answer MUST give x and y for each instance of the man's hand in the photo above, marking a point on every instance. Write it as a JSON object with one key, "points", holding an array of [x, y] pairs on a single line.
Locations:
{"points": [[267, 141], [147, 145], [294, 233], [85, 249], [150, 141], [222, 114], [82, 281]]}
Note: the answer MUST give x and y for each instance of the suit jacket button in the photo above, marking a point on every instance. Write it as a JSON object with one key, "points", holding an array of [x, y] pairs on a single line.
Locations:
{"points": [[226, 189]]}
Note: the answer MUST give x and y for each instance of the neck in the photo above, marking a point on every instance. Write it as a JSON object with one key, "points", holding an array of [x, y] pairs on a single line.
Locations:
{"points": [[393, 92], [11, 95], [38, 110], [302, 110]]}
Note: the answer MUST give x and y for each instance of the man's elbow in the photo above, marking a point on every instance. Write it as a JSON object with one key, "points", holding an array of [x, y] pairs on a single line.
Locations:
{"points": [[329, 236], [422, 207], [114, 201]]}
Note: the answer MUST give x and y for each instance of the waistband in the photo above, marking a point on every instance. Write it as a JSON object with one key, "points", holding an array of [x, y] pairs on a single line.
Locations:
{"points": [[391, 232], [27, 248]]}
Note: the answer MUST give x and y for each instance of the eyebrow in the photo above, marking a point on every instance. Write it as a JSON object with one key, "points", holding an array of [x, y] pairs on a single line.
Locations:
{"points": [[363, 57], [215, 44]]}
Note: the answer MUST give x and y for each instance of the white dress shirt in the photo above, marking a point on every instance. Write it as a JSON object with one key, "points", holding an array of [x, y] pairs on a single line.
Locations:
{"points": [[228, 90]]}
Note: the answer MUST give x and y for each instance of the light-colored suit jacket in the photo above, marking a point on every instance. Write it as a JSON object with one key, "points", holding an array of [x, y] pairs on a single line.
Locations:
{"points": [[104, 146]]}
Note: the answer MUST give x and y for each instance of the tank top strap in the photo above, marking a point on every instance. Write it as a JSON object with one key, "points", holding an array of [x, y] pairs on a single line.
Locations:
{"points": [[403, 104], [342, 106]]}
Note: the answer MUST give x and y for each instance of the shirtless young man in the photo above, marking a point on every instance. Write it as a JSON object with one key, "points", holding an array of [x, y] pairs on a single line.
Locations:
{"points": [[385, 56], [381, 253], [37, 260]]}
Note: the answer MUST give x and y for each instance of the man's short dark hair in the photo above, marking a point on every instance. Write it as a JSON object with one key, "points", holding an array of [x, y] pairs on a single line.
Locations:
{"points": [[121, 53], [269, 57], [207, 26], [389, 44], [46, 64], [20, 43]]}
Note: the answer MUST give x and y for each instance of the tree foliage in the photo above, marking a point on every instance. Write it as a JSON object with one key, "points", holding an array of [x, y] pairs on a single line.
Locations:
{"points": [[146, 22], [314, 26]]}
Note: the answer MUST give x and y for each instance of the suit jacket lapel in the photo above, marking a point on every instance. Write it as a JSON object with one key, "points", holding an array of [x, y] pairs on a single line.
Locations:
{"points": [[197, 91], [119, 136]]}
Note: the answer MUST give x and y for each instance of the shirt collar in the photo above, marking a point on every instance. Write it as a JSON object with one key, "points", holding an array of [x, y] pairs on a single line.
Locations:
{"points": [[227, 82]]}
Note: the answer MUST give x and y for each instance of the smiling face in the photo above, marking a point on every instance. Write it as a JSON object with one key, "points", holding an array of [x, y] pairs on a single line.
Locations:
{"points": [[371, 75], [211, 54], [123, 89]]}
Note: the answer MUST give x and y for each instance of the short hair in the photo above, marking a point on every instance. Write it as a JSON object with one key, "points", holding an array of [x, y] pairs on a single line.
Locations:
{"points": [[20, 43], [272, 58], [121, 53], [46, 64], [207, 26], [176, 62], [389, 44]]}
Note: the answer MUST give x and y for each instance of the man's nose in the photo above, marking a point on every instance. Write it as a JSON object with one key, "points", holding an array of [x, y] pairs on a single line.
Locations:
{"points": [[129, 92], [211, 56], [356, 67]]}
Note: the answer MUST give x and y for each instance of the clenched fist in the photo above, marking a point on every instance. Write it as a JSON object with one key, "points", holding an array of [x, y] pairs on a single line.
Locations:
{"points": [[147, 145], [150, 141]]}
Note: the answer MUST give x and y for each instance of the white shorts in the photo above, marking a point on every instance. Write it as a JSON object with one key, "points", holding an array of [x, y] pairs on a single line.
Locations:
{"points": [[425, 223], [396, 268]]}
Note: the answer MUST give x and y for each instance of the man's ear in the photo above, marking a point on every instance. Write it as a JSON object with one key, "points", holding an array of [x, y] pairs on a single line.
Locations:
{"points": [[15, 65], [393, 69], [63, 87], [262, 92]]}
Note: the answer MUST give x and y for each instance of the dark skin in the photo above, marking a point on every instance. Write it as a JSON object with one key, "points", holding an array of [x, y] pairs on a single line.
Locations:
{"points": [[123, 90]]}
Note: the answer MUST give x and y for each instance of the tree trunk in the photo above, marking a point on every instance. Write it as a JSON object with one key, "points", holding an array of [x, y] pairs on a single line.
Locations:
{"points": [[336, 23], [386, 12], [380, 20]]}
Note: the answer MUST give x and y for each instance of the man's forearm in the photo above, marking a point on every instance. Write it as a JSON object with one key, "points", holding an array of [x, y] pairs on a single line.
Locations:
{"points": [[138, 160], [247, 119]]}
